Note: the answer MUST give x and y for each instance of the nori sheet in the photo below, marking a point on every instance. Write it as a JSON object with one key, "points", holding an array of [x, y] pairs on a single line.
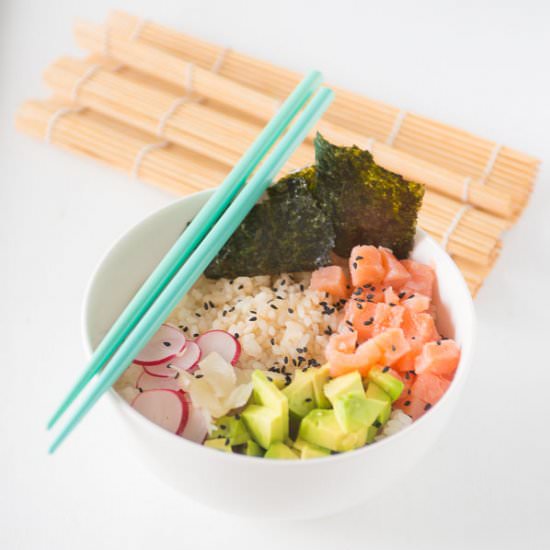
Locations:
{"points": [[366, 203], [286, 232]]}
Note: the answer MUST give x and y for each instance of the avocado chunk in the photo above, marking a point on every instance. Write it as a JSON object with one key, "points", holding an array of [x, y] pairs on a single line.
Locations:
{"points": [[253, 449], [321, 428], [343, 385], [312, 451], [390, 384], [280, 450], [264, 425], [267, 394], [376, 393], [219, 444], [300, 396], [231, 427], [354, 412], [320, 376]]}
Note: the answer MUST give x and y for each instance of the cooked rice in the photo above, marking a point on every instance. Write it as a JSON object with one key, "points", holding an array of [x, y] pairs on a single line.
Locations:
{"points": [[273, 317]]}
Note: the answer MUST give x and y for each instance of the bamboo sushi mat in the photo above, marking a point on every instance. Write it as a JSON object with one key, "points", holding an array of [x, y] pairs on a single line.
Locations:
{"points": [[178, 112]]}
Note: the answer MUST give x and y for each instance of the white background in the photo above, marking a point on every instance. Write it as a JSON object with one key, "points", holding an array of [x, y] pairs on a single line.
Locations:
{"points": [[481, 65]]}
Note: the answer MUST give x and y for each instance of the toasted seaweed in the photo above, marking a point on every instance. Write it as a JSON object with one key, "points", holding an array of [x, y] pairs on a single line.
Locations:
{"points": [[286, 232], [366, 203]]}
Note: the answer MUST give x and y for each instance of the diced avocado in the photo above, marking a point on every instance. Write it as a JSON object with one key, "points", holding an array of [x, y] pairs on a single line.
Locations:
{"points": [[219, 444], [376, 393], [372, 432], [231, 427], [267, 394], [300, 396], [390, 384], [277, 378], [298, 444], [320, 376], [312, 451], [264, 424], [280, 450], [321, 428], [354, 412], [347, 384], [253, 449]]}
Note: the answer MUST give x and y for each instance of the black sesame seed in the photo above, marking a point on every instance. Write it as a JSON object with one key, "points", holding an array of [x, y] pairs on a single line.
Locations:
{"points": [[237, 417], [407, 376], [223, 427], [393, 348], [301, 288], [270, 379], [205, 305], [411, 296], [224, 313], [359, 306], [279, 297], [348, 322], [197, 314], [285, 360], [283, 282], [273, 306], [407, 403], [236, 335], [386, 369], [369, 322], [391, 304], [413, 337], [438, 342], [226, 441], [199, 375], [166, 344], [253, 311], [290, 310], [428, 406], [359, 258], [272, 341], [195, 335], [308, 400], [140, 390], [377, 424], [211, 303], [370, 296], [177, 375], [253, 318], [401, 295], [354, 265], [240, 287]]}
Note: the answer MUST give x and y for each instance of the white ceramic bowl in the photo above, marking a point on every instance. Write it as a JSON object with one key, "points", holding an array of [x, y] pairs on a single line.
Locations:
{"points": [[254, 486]]}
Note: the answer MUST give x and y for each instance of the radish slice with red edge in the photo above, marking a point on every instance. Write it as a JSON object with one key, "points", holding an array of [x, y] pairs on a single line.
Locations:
{"points": [[167, 342], [188, 359], [147, 382], [196, 429], [162, 370], [168, 409], [222, 343]]}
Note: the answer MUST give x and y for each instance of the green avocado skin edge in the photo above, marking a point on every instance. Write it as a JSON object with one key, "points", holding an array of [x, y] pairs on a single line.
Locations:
{"points": [[344, 200]]}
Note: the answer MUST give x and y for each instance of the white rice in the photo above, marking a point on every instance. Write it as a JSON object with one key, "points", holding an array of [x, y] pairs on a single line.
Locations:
{"points": [[398, 420], [277, 320]]}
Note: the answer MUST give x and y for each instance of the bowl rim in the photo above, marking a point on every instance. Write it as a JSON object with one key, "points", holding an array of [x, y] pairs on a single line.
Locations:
{"points": [[467, 348]]}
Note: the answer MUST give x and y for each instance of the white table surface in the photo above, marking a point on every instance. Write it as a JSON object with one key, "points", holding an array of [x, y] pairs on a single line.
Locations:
{"points": [[482, 66]]}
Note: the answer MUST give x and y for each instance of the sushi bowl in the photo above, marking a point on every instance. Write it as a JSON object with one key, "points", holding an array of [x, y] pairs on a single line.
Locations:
{"points": [[250, 486]]}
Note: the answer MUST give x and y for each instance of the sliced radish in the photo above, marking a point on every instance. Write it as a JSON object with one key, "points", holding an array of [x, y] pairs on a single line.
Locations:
{"points": [[148, 382], [162, 370], [188, 359], [167, 408], [165, 344], [196, 429], [221, 342]]}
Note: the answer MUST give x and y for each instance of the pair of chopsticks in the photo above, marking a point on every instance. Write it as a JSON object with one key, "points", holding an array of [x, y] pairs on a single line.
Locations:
{"points": [[196, 247]]}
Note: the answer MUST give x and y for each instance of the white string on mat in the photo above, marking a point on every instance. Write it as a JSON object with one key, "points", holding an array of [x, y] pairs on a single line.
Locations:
{"points": [[136, 33], [396, 127], [52, 122], [453, 225], [83, 79], [490, 163], [171, 110], [219, 61], [466, 189], [145, 150]]}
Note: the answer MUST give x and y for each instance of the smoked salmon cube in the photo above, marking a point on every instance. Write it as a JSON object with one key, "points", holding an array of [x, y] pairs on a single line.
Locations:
{"points": [[365, 265]]}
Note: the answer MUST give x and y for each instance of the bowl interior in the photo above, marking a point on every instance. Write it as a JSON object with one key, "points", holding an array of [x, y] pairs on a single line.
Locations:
{"points": [[133, 257]]}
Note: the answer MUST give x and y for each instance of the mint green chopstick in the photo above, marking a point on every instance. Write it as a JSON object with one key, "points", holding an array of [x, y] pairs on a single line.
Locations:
{"points": [[192, 236], [198, 261]]}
